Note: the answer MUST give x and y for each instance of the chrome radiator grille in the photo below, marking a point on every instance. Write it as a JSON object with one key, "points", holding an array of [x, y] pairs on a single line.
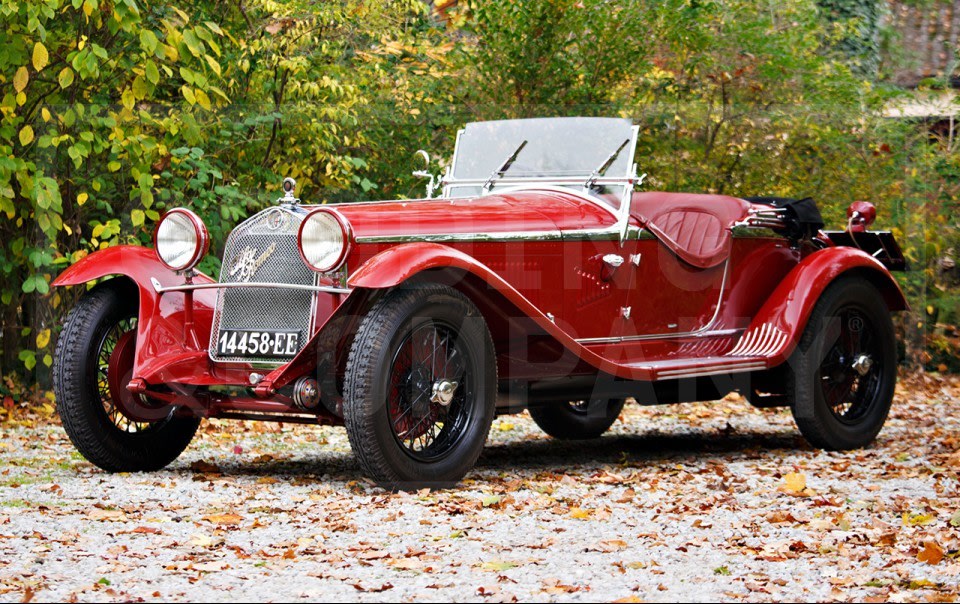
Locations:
{"points": [[264, 250]]}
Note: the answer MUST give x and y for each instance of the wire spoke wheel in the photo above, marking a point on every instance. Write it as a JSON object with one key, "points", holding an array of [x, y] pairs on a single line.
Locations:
{"points": [[430, 395], [842, 375], [420, 387], [112, 427], [115, 357], [850, 372], [577, 419]]}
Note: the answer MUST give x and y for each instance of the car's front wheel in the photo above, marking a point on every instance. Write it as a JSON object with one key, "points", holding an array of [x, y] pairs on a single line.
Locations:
{"points": [[110, 426], [842, 375], [577, 419], [420, 388]]}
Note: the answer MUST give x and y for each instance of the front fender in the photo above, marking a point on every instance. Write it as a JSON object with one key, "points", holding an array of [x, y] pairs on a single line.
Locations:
{"points": [[789, 306], [161, 332]]}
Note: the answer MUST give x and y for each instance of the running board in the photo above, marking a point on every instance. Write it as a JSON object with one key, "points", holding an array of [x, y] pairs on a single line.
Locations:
{"points": [[703, 367], [755, 350]]}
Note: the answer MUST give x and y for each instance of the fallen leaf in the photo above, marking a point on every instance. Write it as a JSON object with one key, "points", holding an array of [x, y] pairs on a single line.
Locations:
{"points": [[229, 519], [611, 545], [107, 515], [372, 589], [407, 564], [491, 500], [208, 567], [201, 540], [795, 483], [917, 519], [204, 467], [497, 566], [931, 553]]}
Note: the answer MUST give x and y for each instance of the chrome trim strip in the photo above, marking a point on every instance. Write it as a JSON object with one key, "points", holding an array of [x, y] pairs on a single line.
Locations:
{"points": [[762, 341], [574, 180], [611, 232], [687, 373], [194, 286], [704, 331]]}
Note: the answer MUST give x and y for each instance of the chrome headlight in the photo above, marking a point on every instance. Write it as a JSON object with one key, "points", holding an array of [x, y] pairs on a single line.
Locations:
{"points": [[181, 239], [324, 239]]}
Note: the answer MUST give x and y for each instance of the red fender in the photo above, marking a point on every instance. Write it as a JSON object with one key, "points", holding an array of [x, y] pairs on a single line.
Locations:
{"points": [[789, 306], [165, 351], [397, 264]]}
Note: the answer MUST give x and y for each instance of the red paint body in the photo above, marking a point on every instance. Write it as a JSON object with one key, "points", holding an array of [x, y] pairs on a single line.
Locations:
{"points": [[555, 307]]}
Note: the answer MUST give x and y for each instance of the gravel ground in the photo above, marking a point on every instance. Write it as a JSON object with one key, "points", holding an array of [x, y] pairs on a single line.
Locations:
{"points": [[688, 502]]}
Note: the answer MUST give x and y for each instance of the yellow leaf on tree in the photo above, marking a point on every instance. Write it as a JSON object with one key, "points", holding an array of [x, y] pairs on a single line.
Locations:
{"points": [[26, 135], [40, 56], [82, 199], [21, 78], [188, 94], [43, 338], [202, 99], [45, 114], [65, 77]]}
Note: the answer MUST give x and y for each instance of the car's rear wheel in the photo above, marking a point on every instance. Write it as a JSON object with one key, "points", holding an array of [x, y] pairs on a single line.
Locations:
{"points": [[93, 362], [582, 419], [420, 388], [842, 376]]}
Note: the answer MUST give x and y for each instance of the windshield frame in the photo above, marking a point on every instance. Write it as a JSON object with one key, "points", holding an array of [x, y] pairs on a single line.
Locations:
{"points": [[576, 185]]}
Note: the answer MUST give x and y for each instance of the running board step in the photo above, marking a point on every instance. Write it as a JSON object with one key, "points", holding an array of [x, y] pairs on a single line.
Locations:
{"points": [[689, 368]]}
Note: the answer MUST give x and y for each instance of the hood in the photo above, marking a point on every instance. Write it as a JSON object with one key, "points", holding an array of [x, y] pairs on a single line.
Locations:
{"points": [[540, 210]]}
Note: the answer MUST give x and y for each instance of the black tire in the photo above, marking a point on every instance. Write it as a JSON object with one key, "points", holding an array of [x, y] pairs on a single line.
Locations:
{"points": [[387, 376], [577, 420], [90, 416], [841, 377]]}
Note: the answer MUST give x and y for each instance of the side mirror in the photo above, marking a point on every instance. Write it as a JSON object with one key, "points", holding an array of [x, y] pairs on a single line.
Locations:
{"points": [[424, 155], [425, 172]]}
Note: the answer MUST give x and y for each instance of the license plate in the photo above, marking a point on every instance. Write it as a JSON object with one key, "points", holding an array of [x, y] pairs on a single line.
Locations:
{"points": [[258, 343]]}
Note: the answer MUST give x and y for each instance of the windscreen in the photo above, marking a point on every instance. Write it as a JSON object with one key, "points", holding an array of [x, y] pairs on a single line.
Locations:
{"points": [[574, 146]]}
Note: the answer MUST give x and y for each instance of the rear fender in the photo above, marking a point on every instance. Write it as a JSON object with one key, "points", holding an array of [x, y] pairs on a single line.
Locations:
{"points": [[161, 334], [782, 319]]}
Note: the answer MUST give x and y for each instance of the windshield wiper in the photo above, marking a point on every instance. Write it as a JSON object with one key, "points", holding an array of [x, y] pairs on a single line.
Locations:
{"points": [[598, 172], [503, 167]]}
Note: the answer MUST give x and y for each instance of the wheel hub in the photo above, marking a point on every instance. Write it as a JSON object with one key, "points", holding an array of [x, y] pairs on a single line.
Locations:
{"points": [[443, 391], [862, 364]]}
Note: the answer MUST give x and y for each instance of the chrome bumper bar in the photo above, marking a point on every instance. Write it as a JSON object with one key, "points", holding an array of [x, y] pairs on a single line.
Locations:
{"points": [[194, 286]]}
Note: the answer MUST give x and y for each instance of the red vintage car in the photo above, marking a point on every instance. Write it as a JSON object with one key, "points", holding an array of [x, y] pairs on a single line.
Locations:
{"points": [[539, 279]]}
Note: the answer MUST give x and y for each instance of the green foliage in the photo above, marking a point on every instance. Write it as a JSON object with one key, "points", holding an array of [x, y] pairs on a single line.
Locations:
{"points": [[112, 111], [856, 25]]}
